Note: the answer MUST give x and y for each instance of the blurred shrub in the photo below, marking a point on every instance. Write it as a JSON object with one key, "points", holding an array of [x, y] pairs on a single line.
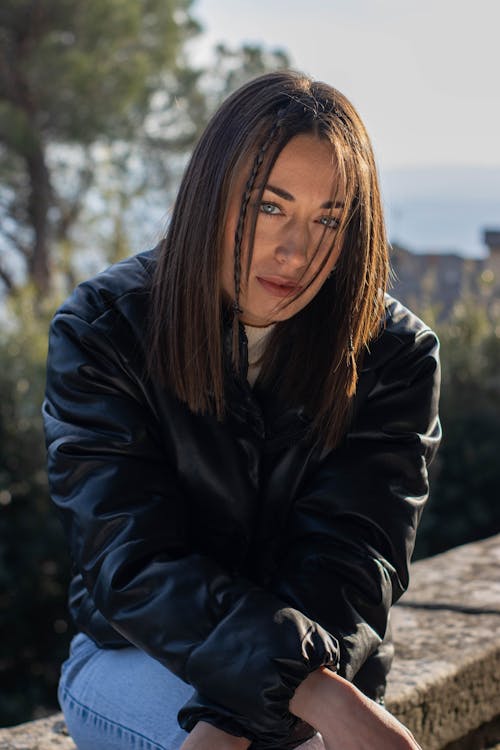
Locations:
{"points": [[465, 476], [33, 558]]}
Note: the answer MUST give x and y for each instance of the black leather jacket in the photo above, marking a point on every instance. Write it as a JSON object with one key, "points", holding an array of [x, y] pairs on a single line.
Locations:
{"points": [[237, 553]]}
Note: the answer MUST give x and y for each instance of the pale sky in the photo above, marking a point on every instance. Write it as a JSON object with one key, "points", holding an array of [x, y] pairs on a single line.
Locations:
{"points": [[425, 76]]}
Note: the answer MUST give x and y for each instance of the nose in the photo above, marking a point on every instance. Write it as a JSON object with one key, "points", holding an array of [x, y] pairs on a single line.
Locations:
{"points": [[292, 245]]}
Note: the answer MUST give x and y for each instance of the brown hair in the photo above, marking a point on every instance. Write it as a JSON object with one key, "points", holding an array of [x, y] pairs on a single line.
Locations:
{"points": [[330, 334]]}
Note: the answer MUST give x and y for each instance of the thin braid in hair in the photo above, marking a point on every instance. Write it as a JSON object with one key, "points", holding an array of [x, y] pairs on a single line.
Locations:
{"points": [[351, 363], [238, 235]]}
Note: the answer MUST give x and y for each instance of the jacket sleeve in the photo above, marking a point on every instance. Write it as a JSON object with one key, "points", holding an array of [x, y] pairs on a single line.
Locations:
{"points": [[351, 532], [241, 647]]}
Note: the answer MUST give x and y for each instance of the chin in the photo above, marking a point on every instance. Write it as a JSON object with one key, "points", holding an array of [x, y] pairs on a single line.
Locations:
{"points": [[266, 315]]}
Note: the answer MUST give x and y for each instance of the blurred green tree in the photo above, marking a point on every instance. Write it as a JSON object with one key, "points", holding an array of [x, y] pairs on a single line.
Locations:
{"points": [[98, 105], [73, 74]]}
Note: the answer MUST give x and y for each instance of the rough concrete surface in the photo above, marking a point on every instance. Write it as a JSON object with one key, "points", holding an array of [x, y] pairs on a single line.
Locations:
{"points": [[43, 734], [445, 682], [446, 677]]}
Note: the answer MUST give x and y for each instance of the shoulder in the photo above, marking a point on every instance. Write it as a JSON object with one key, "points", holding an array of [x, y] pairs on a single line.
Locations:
{"points": [[111, 290], [403, 333], [106, 317], [113, 305]]}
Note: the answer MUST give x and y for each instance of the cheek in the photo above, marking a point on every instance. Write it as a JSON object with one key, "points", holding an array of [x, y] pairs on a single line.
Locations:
{"points": [[331, 256], [335, 253]]}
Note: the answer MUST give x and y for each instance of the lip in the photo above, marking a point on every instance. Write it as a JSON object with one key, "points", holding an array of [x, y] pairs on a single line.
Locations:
{"points": [[278, 286]]}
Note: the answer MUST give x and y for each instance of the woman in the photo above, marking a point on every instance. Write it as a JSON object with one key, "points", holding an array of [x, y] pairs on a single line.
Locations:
{"points": [[238, 428]]}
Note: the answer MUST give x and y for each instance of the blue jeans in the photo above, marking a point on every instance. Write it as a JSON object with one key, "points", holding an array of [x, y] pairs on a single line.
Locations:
{"points": [[122, 699]]}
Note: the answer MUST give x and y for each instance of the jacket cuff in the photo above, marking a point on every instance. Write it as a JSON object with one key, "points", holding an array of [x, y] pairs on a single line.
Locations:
{"points": [[291, 734], [253, 672], [199, 708]]}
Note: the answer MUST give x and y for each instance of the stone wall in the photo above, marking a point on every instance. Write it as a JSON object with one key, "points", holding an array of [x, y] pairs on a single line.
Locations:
{"points": [[445, 682]]}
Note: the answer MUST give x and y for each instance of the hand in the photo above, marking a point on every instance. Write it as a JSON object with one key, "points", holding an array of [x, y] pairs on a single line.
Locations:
{"points": [[346, 718], [207, 737]]}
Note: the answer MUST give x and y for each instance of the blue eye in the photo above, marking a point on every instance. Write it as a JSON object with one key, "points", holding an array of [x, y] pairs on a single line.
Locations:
{"points": [[330, 222], [269, 208]]}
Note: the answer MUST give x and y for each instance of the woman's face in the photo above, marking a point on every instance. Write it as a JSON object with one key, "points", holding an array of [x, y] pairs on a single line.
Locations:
{"points": [[296, 226]]}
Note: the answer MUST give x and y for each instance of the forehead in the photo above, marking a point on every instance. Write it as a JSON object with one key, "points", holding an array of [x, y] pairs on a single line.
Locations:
{"points": [[309, 161]]}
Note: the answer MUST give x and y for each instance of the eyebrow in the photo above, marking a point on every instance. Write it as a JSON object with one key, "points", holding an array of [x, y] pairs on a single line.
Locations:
{"points": [[289, 197]]}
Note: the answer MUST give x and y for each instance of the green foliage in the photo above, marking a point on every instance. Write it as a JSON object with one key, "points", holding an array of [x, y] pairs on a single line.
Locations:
{"points": [[231, 68], [466, 474], [33, 558], [99, 108], [90, 68], [73, 75]]}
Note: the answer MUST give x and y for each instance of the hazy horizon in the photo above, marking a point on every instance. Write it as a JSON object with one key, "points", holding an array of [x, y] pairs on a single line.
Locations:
{"points": [[441, 209]]}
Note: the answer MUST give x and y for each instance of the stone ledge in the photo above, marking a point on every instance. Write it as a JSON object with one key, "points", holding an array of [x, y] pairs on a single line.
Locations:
{"points": [[43, 734], [445, 682]]}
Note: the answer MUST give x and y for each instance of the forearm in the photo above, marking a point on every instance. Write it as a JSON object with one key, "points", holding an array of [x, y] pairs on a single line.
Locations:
{"points": [[307, 703], [345, 717], [314, 697]]}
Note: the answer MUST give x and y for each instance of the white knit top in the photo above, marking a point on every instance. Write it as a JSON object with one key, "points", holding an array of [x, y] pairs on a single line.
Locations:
{"points": [[256, 338]]}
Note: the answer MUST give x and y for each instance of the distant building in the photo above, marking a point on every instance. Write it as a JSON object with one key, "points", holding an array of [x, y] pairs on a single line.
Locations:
{"points": [[439, 281], [491, 239]]}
